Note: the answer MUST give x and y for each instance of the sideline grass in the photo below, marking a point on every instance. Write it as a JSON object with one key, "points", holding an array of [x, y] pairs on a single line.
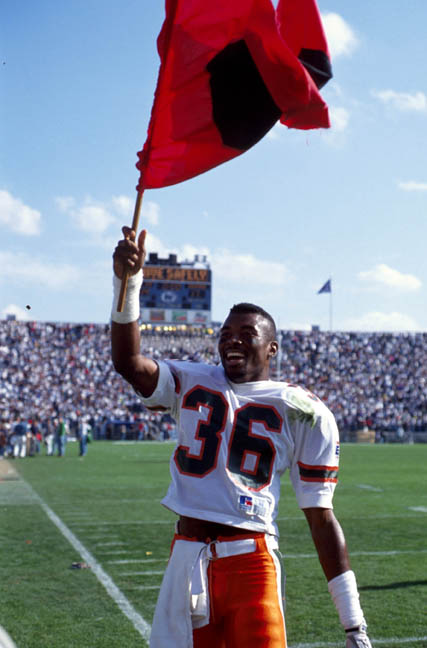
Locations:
{"points": [[110, 500]]}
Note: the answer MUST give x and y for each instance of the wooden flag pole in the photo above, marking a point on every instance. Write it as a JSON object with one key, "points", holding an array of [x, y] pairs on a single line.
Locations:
{"points": [[135, 221]]}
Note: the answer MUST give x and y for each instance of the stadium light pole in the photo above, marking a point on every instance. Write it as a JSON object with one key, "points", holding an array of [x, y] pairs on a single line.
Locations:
{"points": [[279, 351]]}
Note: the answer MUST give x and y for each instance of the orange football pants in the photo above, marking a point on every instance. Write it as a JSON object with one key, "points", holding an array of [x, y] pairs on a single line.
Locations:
{"points": [[246, 600]]}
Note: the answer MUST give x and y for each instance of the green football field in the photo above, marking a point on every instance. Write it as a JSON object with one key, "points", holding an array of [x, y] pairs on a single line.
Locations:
{"points": [[104, 512]]}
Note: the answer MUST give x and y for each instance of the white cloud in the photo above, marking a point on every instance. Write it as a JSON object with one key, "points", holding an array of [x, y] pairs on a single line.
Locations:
{"points": [[383, 275], [64, 203], [150, 213], [275, 132], [403, 100], [227, 266], [376, 321], [23, 267], [339, 118], [123, 205], [92, 218], [411, 185], [341, 39], [247, 270], [96, 217], [20, 313], [299, 326], [17, 216]]}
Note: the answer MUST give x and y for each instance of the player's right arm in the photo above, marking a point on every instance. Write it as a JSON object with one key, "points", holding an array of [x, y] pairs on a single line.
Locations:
{"points": [[140, 371]]}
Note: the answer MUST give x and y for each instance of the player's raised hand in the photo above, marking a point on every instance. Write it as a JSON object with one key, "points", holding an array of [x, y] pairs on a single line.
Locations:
{"points": [[129, 255]]}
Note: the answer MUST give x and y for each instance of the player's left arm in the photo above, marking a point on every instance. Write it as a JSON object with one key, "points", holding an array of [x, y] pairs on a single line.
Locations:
{"points": [[331, 547], [329, 541]]}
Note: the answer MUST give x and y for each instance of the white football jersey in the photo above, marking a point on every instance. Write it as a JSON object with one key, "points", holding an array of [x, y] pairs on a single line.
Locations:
{"points": [[236, 440]]}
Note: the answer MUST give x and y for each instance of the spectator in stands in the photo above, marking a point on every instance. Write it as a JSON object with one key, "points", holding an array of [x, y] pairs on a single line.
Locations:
{"points": [[378, 379], [3, 443]]}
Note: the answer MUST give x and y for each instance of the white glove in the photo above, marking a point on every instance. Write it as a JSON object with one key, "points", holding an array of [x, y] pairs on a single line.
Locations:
{"points": [[357, 637]]}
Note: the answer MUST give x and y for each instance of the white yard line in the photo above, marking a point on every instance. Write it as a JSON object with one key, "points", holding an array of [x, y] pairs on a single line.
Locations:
{"points": [[364, 553], [143, 573], [286, 556], [144, 587], [375, 642], [380, 516], [300, 518], [370, 488], [113, 552], [138, 622], [137, 522], [137, 560]]}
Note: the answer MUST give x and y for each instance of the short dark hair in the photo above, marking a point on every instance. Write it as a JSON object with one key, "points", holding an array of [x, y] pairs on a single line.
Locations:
{"points": [[246, 307]]}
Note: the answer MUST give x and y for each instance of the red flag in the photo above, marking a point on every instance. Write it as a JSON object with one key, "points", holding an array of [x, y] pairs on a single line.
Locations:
{"points": [[226, 76], [301, 28]]}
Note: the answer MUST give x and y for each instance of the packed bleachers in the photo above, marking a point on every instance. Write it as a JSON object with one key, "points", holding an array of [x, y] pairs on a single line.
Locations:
{"points": [[50, 370]]}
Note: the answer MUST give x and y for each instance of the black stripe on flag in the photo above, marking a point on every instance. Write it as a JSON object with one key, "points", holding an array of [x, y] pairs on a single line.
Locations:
{"points": [[243, 108]]}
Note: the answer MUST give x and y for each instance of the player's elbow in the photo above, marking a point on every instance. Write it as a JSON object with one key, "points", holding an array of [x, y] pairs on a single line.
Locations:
{"points": [[121, 366], [142, 373]]}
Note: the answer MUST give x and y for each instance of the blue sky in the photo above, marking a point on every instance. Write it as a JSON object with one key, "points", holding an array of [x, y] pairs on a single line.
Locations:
{"points": [[76, 88]]}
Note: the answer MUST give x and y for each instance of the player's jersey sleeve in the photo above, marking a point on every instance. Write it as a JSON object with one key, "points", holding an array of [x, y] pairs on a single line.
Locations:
{"points": [[315, 461], [164, 396]]}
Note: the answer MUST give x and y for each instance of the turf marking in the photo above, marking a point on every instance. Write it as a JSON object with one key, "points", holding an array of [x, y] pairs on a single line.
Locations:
{"points": [[419, 509], [113, 552], [384, 516], [138, 560], [137, 522], [393, 640], [129, 561], [144, 573], [364, 553], [370, 488], [143, 587], [380, 516], [138, 622]]}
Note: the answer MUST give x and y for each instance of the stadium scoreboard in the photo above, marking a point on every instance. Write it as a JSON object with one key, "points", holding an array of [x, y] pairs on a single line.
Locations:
{"points": [[176, 293]]}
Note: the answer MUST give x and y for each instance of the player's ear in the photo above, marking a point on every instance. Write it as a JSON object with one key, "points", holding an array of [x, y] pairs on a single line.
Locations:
{"points": [[274, 347]]}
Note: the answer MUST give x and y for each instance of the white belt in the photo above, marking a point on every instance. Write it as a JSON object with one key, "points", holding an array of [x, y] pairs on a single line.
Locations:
{"points": [[199, 579]]}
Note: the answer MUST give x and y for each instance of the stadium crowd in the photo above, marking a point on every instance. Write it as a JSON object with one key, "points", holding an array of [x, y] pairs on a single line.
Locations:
{"points": [[52, 373]]}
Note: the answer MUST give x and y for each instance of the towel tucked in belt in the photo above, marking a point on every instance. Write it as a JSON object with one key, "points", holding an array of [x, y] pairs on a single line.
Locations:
{"points": [[183, 602]]}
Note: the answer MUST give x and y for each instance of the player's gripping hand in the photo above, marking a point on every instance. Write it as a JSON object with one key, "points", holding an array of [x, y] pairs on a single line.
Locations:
{"points": [[129, 254], [357, 638]]}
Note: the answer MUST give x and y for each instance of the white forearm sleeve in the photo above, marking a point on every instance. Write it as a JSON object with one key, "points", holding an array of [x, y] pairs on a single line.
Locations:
{"points": [[130, 311], [343, 589]]}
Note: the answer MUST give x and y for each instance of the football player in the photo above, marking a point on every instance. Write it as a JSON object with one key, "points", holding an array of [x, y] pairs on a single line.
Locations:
{"points": [[238, 432]]}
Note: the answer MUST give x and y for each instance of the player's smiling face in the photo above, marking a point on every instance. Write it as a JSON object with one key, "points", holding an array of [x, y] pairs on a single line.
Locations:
{"points": [[245, 347]]}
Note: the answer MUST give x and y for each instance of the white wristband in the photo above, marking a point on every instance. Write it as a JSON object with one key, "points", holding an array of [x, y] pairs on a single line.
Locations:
{"points": [[130, 312], [343, 589]]}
